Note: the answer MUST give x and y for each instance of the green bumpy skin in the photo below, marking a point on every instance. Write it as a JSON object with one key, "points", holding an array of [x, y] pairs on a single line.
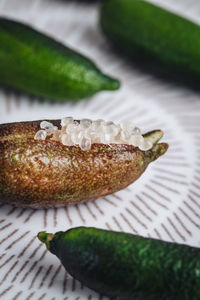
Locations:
{"points": [[35, 63], [46, 173], [126, 266], [157, 40]]}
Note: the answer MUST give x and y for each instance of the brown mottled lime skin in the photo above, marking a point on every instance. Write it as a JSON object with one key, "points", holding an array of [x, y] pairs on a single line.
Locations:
{"points": [[46, 173]]}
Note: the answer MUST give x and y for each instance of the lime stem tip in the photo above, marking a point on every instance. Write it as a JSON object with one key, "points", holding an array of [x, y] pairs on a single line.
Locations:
{"points": [[42, 236], [45, 237]]}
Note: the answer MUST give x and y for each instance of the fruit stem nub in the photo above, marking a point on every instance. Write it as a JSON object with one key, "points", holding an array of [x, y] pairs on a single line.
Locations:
{"points": [[45, 238]]}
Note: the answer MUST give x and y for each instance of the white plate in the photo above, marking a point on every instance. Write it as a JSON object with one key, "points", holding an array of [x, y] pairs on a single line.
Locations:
{"points": [[163, 203]]}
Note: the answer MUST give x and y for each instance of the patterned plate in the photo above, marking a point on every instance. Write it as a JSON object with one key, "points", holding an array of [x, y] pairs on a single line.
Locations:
{"points": [[163, 203]]}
